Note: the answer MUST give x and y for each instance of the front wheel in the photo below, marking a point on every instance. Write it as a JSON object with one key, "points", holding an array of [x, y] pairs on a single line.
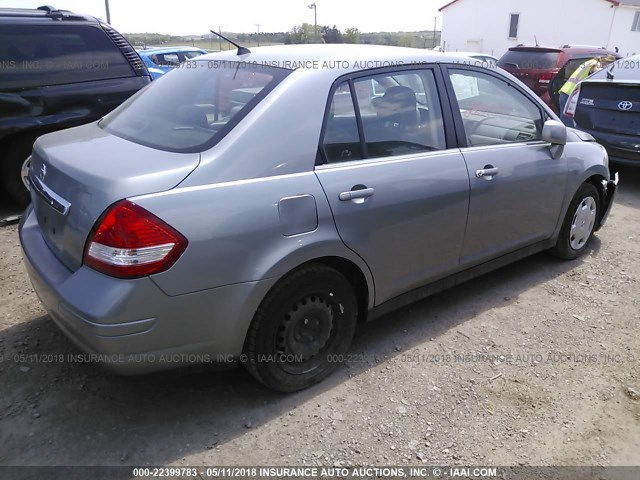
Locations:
{"points": [[302, 329], [579, 223]]}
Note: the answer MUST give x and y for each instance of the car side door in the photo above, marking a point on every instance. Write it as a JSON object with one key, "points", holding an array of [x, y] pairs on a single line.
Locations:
{"points": [[517, 187], [396, 183]]}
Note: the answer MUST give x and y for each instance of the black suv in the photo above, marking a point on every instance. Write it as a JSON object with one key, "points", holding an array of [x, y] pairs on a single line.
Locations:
{"points": [[57, 70]]}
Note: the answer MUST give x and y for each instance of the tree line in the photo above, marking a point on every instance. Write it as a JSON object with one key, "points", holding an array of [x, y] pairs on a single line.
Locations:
{"points": [[304, 33]]}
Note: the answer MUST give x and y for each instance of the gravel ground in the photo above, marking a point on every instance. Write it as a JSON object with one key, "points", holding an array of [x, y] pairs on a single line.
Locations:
{"points": [[535, 364]]}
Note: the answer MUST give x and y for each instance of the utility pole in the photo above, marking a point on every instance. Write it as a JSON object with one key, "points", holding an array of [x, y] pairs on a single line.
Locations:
{"points": [[315, 21], [220, 38], [106, 6], [435, 20], [258, 27]]}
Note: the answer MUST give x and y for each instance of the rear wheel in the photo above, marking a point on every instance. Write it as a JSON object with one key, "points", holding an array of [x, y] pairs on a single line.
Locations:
{"points": [[12, 166], [302, 329], [579, 223]]}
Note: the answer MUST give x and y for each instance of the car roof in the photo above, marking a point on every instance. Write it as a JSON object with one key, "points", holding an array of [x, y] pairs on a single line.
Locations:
{"points": [[620, 73], [564, 48], [170, 50], [470, 54], [338, 56], [42, 15]]}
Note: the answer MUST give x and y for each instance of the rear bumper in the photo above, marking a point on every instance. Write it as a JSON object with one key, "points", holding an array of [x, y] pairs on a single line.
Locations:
{"points": [[623, 154], [610, 190], [131, 326]]}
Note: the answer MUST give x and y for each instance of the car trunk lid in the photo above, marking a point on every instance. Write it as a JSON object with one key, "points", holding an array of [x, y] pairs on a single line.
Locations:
{"points": [[609, 107], [77, 173]]}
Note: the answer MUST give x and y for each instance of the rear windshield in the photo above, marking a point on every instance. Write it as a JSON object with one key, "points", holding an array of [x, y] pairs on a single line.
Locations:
{"points": [[524, 59], [57, 54], [193, 107]]}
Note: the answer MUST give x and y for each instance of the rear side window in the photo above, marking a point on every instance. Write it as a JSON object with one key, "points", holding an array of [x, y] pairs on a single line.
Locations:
{"points": [[527, 59], [166, 59], [194, 106], [341, 138], [399, 111], [405, 118], [57, 54]]}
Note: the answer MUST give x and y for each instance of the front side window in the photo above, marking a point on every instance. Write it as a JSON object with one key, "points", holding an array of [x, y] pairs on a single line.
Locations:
{"points": [[493, 112], [57, 54], [195, 106], [399, 112]]}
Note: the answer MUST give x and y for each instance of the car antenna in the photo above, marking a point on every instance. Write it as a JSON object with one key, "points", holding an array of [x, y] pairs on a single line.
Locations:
{"points": [[241, 50], [536, 39]]}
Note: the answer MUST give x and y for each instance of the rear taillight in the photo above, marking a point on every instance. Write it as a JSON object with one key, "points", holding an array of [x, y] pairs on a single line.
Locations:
{"points": [[545, 78], [572, 103], [129, 242]]}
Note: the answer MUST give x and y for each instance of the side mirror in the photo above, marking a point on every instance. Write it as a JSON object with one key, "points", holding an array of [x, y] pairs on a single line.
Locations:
{"points": [[555, 133]]}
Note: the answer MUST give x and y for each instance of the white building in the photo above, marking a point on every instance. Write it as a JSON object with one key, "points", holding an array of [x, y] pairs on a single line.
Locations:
{"points": [[492, 26]]}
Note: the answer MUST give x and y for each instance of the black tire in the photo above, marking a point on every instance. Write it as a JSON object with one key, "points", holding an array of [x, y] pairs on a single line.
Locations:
{"points": [[302, 329], [11, 169], [572, 242]]}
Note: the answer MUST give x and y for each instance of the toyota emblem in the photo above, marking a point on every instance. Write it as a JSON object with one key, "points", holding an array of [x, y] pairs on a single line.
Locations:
{"points": [[43, 172], [625, 105]]}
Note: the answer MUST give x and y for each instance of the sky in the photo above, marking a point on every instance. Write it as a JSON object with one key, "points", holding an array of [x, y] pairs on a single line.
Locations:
{"points": [[197, 17]]}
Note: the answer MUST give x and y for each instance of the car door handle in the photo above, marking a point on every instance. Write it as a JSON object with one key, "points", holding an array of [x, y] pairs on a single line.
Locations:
{"points": [[355, 194], [487, 172]]}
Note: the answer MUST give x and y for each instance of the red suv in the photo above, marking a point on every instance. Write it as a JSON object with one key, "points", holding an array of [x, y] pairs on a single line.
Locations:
{"points": [[538, 67]]}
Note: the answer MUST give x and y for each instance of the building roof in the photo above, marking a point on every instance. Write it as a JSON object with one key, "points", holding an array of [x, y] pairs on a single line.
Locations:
{"points": [[616, 3]]}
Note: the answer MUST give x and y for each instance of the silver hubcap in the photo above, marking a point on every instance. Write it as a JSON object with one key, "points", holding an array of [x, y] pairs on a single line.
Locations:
{"points": [[24, 173], [583, 221]]}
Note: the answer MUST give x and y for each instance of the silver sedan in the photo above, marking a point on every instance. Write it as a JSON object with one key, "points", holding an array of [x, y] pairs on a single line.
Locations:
{"points": [[254, 206]]}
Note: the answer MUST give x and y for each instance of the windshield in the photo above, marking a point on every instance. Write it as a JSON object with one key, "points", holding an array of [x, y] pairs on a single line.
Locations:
{"points": [[528, 59], [193, 107]]}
